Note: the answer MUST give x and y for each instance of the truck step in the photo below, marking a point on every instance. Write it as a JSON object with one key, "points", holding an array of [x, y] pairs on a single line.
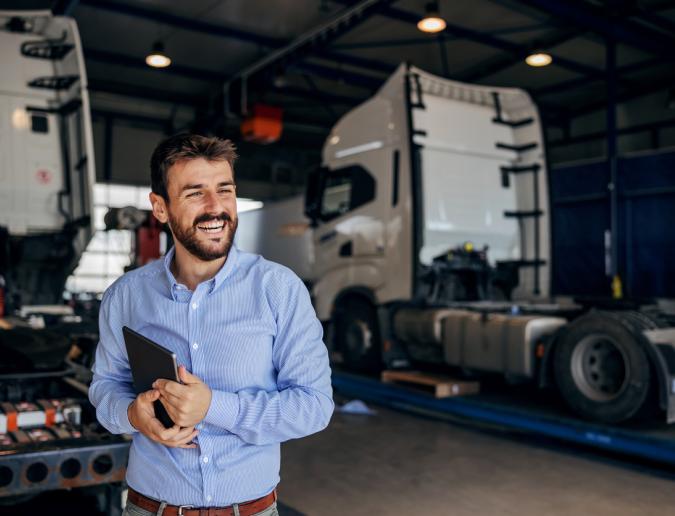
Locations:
{"points": [[517, 148], [513, 123], [519, 170], [440, 386], [46, 50], [523, 214], [506, 182], [523, 263], [54, 83]]}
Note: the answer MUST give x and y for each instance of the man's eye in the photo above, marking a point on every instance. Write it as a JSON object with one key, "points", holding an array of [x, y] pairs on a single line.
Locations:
{"points": [[225, 190], [194, 194]]}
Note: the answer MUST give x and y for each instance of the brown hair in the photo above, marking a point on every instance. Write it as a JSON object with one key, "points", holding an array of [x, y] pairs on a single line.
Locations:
{"points": [[184, 147]]}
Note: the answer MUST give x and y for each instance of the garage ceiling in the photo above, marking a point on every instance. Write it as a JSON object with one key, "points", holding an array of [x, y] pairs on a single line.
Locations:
{"points": [[211, 41]]}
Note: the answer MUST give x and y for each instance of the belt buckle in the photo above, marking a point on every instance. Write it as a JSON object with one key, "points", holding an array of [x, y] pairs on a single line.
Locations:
{"points": [[181, 507]]}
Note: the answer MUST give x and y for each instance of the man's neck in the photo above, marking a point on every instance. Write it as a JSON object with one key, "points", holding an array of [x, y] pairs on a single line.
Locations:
{"points": [[190, 270]]}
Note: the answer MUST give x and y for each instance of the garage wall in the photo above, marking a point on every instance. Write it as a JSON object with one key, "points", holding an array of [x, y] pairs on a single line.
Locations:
{"points": [[643, 111], [581, 215]]}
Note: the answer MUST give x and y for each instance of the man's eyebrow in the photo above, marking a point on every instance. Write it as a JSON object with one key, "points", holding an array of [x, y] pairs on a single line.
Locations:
{"points": [[191, 187], [198, 186]]}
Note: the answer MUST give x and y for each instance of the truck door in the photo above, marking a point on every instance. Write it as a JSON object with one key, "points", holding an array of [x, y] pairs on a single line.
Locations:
{"points": [[349, 230]]}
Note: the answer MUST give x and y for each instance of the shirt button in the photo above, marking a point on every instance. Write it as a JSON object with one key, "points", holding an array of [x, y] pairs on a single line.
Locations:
{"points": [[205, 459], [208, 498], [200, 426], [195, 345], [194, 306]]}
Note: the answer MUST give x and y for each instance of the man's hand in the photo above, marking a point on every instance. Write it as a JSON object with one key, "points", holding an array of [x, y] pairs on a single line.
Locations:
{"points": [[141, 414], [186, 403]]}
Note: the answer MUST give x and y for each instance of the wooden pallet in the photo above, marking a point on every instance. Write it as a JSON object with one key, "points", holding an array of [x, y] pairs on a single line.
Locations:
{"points": [[439, 385]]}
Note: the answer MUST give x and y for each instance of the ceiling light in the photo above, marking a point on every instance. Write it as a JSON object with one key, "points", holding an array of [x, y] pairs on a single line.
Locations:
{"points": [[539, 59], [157, 58], [432, 21]]}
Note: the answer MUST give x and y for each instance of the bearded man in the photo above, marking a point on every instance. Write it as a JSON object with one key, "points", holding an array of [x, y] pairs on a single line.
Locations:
{"points": [[254, 371]]}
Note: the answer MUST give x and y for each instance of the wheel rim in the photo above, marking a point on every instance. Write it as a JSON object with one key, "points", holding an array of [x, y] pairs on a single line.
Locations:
{"points": [[600, 368], [359, 338]]}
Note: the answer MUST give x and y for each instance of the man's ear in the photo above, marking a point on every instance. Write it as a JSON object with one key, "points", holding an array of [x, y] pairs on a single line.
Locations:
{"points": [[159, 209]]}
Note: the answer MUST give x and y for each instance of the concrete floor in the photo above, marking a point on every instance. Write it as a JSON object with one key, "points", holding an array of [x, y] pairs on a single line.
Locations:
{"points": [[395, 463]]}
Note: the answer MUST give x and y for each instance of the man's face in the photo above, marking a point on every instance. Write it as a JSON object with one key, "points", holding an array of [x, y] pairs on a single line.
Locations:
{"points": [[202, 207]]}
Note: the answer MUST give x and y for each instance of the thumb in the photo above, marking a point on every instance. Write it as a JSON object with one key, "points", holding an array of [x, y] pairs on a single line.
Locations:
{"points": [[187, 377]]}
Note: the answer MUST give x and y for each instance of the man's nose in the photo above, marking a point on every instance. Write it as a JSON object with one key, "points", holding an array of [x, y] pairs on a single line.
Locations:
{"points": [[211, 202]]}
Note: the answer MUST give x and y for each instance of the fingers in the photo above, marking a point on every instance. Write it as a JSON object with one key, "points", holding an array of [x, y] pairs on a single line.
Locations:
{"points": [[167, 434], [187, 377], [185, 435], [149, 396], [172, 399], [169, 386], [185, 441]]}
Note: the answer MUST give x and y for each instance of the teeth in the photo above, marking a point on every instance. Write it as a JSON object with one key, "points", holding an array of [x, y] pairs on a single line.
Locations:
{"points": [[211, 228]]}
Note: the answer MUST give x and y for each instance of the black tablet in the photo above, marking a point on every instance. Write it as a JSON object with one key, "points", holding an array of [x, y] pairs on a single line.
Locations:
{"points": [[149, 361]]}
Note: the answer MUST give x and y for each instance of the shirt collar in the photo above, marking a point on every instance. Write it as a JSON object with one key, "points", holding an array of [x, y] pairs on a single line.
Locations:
{"points": [[214, 282]]}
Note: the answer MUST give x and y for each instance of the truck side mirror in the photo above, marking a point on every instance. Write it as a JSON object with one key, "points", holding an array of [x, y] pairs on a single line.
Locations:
{"points": [[313, 194]]}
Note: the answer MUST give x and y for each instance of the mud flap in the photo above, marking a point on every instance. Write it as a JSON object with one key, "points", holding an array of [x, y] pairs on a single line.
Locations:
{"points": [[662, 355]]}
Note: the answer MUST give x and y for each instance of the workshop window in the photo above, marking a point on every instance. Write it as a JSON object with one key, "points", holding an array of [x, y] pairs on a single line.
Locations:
{"points": [[108, 252]]}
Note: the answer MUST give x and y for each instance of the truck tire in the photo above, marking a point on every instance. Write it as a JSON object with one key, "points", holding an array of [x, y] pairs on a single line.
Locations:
{"points": [[357, 336], [601, 367]]}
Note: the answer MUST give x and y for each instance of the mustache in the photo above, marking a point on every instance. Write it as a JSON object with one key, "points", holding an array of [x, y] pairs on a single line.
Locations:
{"points": [[207, 218]]}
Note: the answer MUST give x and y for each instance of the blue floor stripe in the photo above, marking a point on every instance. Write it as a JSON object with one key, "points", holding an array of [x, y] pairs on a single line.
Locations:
{"points": [[619, 440]]}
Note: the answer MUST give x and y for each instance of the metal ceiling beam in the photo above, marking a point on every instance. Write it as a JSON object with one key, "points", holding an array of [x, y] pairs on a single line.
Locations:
{"points": [[181, 22], [624, 31], [583, 81], [486, 39], [485, 69], [201, 74], [367, 82], [140, 92], [310, 43], [208, 76], [656, 20], [318, 38], [198, 74], [213, 29]]}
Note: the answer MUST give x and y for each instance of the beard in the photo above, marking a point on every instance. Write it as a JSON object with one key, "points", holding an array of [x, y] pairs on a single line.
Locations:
{"points": [[219, 247]]}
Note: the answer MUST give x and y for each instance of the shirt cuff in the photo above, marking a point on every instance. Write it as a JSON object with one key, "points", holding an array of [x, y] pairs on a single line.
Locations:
{"points": [[122, 415], [223, 410]]}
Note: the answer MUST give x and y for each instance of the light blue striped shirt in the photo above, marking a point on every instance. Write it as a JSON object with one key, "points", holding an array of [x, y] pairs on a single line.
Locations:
{"points": [[251, 334]]}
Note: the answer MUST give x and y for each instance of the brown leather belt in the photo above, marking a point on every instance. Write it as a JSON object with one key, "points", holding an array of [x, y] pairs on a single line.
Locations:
{"points": [[245, 508]]}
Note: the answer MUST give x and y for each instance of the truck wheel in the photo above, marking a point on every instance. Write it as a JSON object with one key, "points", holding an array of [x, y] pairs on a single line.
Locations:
{"points": [[357, 336], [601, 368]]}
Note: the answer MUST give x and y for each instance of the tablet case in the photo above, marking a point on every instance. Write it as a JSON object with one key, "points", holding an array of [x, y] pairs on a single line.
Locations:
{"points": [[150, 361]]}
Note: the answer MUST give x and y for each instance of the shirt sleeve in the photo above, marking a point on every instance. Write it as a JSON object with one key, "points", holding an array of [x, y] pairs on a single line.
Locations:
{"points": [[303, 403], [111, 390]]}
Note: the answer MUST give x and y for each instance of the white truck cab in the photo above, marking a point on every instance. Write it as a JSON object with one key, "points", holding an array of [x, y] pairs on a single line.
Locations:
{"points": [[47, 155], [425, 166]]}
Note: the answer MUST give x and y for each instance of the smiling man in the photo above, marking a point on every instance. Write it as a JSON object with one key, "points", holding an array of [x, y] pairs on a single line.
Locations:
{"points": [[254, 370]]}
